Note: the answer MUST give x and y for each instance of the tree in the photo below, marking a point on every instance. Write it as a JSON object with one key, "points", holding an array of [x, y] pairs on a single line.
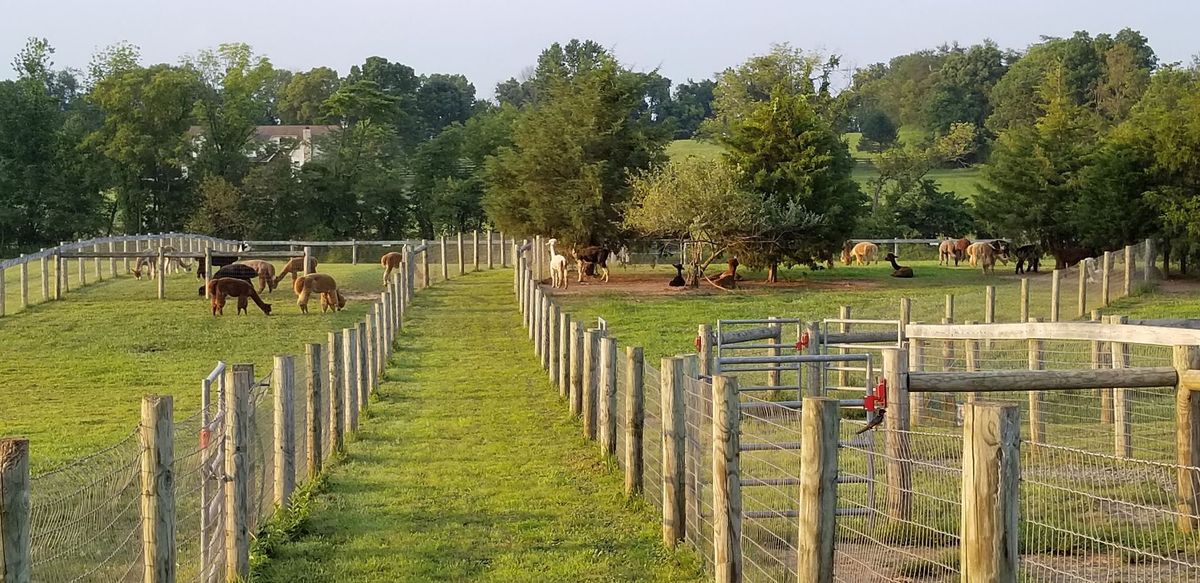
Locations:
{"points": [[221, 213], [792, 156], [233, 99], [963, 83], [566, 172], [443, 100], [878, 131], [303, 98], [690, 106]]}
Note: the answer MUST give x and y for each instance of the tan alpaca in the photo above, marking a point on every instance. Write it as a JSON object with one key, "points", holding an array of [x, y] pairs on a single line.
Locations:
{"points": [[331, 296], [390, 262], [295, 266], [150, 262], [266, 273]]}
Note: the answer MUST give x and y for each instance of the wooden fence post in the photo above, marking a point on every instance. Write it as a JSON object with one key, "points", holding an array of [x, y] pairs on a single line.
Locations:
{"points": [[991, 478], [353, 252], [773, 374], [312, 385], [1037, 361], [364, 365], [24, 271], [1187, 439], [535, 323], [1122, 404], [45, 277], [1106, 280], [608, 396], [337, 426], [308, 266], [815, 377], [949, 307], [161, 273], [83, 268], [1055, 294], [157, 490], [591, 362], [1148, 261], [575, 398], [916, 401], [425, 264], [1024, 300], [285, 433], [112, 261], [350, 377], [60, 277], [896, 440], [544, 331], [704, 340], [503, 248], [905, 315], [462, 259], [553, 350], [989, 304], [727, 488], [16, 564], [843, 375], [564, 355], [445, 266], [635, 418], [239, 379], [1127, 288], [475, 249], [125, 260], [971, 356], [673, 433], [820, 432], [490, 263], [1082, 290]]}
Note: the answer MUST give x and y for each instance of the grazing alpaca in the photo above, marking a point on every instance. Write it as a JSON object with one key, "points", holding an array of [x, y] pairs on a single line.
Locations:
{"points": [[728, 278], [1028, 255], [234, 271], [220, 289], [390, 262], [863, 253], [558, 266], [331, 296], [266, 273], [946, 252], [593, 262], [982, 255], [150, 262], [898, 270], [678, 280], [960, 250], [295, 266]]}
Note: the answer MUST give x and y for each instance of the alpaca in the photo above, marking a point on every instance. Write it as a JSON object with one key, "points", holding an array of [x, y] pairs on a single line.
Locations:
{"points": [[728, 278], [234, 271], [982, 255], [897, 269], [678, 280], [593, 262], [960, 250], [217, 262], [266, 273], [220, 289], [946, 252], [1088, 265], [331, 296], [558, 267], [1028, 255], [295, 267], [863, 253], [150, 262], [390, 262]]}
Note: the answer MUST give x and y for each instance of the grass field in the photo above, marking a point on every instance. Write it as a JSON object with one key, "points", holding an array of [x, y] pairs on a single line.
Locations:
{"points": [[73, 372], [470, 469]]}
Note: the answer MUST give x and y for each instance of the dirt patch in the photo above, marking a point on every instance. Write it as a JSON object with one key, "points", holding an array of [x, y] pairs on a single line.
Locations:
{"points": [[653, 284]]}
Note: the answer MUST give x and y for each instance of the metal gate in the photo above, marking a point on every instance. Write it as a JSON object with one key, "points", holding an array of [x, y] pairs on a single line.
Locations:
{"points": [[212, 485]]}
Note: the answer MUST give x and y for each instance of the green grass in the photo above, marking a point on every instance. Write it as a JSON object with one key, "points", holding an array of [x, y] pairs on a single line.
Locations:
{"points": [[73, 372], [470, 469], [680, 149]]}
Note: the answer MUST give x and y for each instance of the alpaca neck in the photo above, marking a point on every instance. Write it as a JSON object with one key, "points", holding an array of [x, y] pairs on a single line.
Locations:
{"points": [[894, 264]]}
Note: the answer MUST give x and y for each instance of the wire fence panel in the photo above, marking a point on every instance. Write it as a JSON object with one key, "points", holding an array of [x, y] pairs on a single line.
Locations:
{"points": [[86, 518], [652, 447], [770, 472], [698, 464], [619, 414]]}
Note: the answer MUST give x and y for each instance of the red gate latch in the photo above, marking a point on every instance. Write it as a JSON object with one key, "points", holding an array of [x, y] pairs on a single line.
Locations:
{"points": [[699, 343], [803, 343], [879, 399]]}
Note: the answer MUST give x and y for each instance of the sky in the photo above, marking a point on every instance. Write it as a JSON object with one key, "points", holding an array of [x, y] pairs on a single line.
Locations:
{"points": [[490, 41]]}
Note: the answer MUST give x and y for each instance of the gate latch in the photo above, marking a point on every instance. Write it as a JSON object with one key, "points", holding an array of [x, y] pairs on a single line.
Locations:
{"points": [[803, 343], [876, 406]]}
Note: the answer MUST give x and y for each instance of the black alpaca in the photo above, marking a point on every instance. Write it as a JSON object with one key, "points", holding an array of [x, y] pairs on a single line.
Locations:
{"points": [[678, 281], [898, 270]]}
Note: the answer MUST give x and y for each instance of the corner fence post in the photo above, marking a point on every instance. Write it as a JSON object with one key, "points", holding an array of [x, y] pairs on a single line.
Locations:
{"points": [[673, 432], [991, 478], [820, 432], [337, 426], [896, 438], [635, 418], [312, 385], [1187, 438], [727, 484], [16, 564], [239, 380], [608, 396], [285, 436]]}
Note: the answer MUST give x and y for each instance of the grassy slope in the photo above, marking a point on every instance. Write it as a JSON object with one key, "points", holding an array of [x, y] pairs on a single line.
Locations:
{"points": [[469, 469], [73, 372]]}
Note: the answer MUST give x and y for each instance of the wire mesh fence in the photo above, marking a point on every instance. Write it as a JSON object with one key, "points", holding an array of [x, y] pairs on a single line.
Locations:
{"points": [[698, 464], [652, 448]]}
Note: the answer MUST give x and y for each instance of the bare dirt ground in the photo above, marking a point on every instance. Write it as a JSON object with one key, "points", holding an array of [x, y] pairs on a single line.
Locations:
{"points": [[655, 284]]}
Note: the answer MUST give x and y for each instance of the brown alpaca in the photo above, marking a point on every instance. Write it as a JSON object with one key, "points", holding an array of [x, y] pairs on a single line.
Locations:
{"points": [[331, 296], [266, 273], [728, 279], [295, 266], [220, 289], [390, 261]]}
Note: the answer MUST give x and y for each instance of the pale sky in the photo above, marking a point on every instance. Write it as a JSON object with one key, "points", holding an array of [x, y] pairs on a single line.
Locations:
{"points": [[489, 41]]}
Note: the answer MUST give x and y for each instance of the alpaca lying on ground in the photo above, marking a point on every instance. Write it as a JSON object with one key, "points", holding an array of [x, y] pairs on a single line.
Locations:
{"points": [[728, 278], [234, 271], [898, 270], [678, 280], [863, 253], [593, 262], [220, 289], [390, 262], [331, 296], [150, 262], [295, 267], [266, 273], [558, 267]]}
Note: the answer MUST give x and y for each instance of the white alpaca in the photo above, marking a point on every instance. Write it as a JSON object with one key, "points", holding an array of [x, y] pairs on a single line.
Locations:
{"points": [[558, 267], [1088, 265]]}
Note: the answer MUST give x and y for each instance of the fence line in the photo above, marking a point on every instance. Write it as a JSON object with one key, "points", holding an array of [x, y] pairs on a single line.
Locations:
{"points": [[86, 520]]}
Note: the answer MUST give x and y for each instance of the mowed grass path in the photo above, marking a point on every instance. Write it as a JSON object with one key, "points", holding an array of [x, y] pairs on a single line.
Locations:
{"points": [[469, 468], [72, 373]]}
